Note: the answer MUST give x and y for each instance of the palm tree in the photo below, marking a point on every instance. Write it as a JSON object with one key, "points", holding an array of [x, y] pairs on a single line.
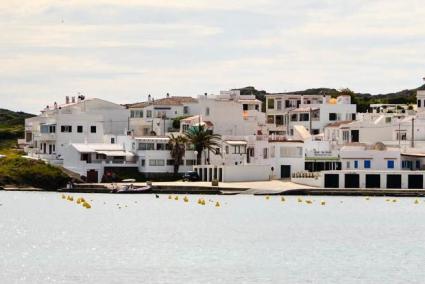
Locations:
{"points": [[177, 150], [202, 139]]}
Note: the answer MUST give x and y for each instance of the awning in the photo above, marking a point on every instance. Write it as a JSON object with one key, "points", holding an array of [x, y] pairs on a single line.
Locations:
{"points": [[236, 142], [116, 153]]}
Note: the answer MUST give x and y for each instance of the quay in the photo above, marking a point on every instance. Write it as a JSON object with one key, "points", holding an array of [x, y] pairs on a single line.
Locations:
{"points": [[274, 187]]}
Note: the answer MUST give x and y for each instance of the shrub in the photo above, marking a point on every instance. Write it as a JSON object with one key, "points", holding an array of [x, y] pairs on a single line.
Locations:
{"points": [[25, 172]]}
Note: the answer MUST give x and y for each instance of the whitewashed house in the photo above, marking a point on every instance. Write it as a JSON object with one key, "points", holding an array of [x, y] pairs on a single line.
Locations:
{"points": [[78, 120], [314, 112], [155, 117]]}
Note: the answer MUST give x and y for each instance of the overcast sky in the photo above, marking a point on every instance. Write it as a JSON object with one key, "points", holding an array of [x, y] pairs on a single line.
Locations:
{"points": [[124, 50]]}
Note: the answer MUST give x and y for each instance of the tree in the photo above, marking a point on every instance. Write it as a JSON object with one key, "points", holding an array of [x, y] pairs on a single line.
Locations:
{"points": [[177, 146], [202, 139]]}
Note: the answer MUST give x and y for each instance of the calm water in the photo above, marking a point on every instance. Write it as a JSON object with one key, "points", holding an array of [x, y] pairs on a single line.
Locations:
{"points": [[247, 240]]}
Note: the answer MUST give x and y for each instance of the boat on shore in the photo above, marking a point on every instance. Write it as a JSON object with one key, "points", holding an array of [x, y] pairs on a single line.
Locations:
{"points": [[130, 189]]}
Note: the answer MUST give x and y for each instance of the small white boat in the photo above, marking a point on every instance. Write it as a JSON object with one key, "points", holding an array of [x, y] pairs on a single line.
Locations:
{"points": [[132, 189]]}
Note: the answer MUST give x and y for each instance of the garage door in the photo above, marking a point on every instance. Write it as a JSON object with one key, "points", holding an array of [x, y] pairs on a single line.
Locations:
{"points": [[393, 181], [416, 181], [352, 181], [331, 181], [373, 181]]}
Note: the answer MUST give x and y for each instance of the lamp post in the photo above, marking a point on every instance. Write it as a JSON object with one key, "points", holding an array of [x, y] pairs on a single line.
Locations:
{"points": [[196, 157]]}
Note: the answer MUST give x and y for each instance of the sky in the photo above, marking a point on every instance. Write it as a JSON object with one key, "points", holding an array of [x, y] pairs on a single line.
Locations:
{"points": [[124, 50]]}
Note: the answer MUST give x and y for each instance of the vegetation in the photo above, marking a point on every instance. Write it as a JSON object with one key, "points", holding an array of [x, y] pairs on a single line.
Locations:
{"points": [[25, 172], [177, 150], [202, 139], [17, 171], [176, 121], [363, 100], [11, 128]]}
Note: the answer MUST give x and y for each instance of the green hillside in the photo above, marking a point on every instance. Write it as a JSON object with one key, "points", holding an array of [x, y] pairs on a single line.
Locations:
{"points": [[11, 128]]}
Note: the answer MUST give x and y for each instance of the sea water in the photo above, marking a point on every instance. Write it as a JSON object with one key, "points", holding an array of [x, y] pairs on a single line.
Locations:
{"points": [[248, 239]]}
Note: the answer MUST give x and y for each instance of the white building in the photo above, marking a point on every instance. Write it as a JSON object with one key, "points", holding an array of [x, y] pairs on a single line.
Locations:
{"points": [[314, 112], [94, 160], [79, 120], [156, 117]]}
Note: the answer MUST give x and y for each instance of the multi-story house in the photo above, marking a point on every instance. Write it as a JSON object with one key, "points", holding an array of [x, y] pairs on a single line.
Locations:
{"points": [[79, 120], [314, 112], [156, 117]]}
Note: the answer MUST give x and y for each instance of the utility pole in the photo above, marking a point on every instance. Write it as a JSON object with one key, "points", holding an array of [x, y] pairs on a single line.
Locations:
{"points": [[311, 122], [399, 134], [413, 133]]}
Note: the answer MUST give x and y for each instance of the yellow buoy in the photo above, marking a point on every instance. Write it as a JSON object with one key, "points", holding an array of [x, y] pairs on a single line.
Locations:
{"points": [[63, 196], [387, 200], [308, 201], [299, 200], [367, 198], [282, 199], [322, 203], [267, 197], [71, 198], [217, 204], [185, 199], [170, 197], [394, 200], [416, 201], [176, 198], [86, 205], [78, 201]]}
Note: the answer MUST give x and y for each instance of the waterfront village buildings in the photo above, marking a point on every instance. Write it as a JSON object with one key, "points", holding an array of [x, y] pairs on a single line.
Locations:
{"points": [[315, 139]]}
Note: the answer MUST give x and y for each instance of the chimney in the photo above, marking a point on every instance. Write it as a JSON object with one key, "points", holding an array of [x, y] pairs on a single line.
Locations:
{"points": [[168, 95], [55, 105], [149, 98], [67, 100], [205, 94], [302, 99], [73, 100]]}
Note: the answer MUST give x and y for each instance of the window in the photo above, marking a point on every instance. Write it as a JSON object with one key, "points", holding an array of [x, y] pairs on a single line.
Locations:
{"points": [[388, 120], [304, 117], [367, 164], [207, 111], [170, 162], [185, 109], [142, 162], [92, 129], [279, 104], [112, 140], [356, 164], [148, 113], [419, 103], [132, 113], [80, 129], [265, 152], [270, 119], [161, 146], [390, 164], [418, 164], [190, 162], [156, 163], [348, 164], [346, 136], [270, 103], [332, 116], [227, 149], [402, 135], [66, 128], [146, 146]]}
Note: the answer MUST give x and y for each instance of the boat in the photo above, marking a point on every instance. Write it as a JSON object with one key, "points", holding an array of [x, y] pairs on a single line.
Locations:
{"points": [[128, 189]]}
